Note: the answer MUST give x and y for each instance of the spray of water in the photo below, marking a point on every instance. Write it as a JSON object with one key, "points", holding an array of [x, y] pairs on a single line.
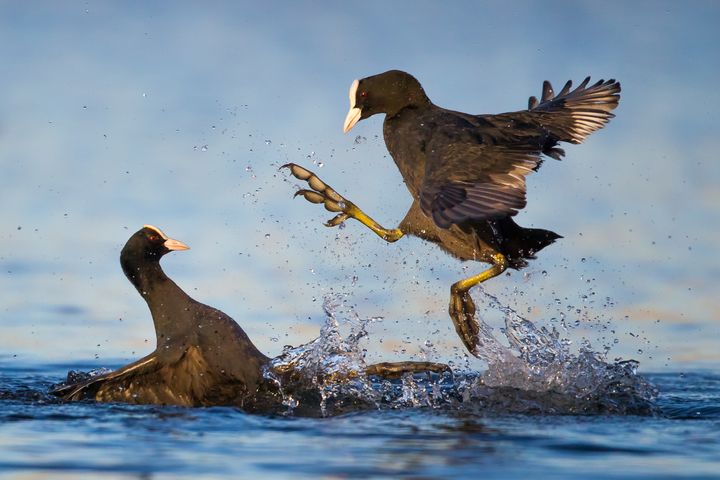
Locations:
{"points": [[547, 376], [537, 372], [330, 364], [533, 370]]}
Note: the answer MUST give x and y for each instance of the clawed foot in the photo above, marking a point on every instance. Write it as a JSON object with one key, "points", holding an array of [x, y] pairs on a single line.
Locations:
{"points": [[462, 312], [320, 192]]}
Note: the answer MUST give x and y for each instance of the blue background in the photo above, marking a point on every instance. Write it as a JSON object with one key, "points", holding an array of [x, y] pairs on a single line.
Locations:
{"points": [[178, 114]]}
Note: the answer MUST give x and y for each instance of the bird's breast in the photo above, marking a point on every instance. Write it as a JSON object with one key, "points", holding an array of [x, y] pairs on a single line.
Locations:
{"points": [[406, 139]]}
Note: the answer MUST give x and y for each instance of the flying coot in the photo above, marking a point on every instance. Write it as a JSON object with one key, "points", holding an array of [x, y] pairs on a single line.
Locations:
{"points": [[466, 173]]}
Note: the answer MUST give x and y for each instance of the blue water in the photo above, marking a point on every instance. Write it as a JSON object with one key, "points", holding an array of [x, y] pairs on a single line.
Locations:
{"points": [[42, 436]]}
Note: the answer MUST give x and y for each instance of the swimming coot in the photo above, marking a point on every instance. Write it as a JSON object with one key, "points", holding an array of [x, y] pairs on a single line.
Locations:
{"points": [[202, 357]]}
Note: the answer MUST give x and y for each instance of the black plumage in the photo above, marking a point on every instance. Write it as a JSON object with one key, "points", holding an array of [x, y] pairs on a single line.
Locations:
{"points": [[472, 167], [202, 356], [466, 173]]}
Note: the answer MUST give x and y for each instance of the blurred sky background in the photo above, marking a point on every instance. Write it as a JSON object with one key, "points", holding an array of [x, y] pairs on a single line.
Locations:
{"points": [[178, 114]]}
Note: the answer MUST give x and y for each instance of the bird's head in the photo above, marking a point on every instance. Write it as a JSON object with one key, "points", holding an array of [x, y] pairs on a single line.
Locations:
{"points": [[150, 243], [387, 93]]}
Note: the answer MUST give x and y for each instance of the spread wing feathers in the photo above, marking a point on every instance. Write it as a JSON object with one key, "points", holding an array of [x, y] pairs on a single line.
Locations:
{"points": [[472, 181], [87, 389], [573, 115]]}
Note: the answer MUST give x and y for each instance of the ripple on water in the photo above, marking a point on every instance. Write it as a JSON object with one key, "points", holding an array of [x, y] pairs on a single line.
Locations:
{"points": [[43, 437]]}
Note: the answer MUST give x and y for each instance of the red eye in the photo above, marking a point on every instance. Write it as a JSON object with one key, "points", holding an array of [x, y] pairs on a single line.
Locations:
{"points": [[363, 94]]}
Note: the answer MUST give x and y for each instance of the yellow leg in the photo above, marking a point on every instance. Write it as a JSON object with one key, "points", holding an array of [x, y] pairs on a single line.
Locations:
{"points": [[462, 307], [320, 192]]}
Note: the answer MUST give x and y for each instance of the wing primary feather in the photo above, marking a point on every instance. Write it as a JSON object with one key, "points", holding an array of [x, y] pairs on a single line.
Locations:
{"points": [[533, 102], [566, 89], [547, 92]]}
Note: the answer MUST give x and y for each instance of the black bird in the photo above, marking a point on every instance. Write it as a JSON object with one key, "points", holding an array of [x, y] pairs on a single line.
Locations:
{"points": [[203, 357], [466, 173]]}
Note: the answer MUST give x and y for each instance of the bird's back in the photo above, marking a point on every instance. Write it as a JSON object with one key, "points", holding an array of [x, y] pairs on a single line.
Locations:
{"points": [[410, 137], [410, 134]]}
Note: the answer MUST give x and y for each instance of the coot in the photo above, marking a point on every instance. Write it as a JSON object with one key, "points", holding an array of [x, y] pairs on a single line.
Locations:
{"points": [[466, 173], [203, 357]]}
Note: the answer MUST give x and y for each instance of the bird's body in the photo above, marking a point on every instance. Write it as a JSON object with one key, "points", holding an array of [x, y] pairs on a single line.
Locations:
{"points": [[466, 173], [202, 357], [407, 137]]}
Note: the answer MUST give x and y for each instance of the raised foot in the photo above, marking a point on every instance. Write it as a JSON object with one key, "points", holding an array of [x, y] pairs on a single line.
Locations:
{"points": [[320, 192], [462, 313]]}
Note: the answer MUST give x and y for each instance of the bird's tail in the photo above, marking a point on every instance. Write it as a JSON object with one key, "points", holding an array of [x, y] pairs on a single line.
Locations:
{"points": [[521, 244]]}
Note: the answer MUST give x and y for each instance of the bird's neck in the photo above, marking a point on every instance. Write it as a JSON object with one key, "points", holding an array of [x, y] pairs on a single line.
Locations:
{"points": [[163, 296], [413, 103], [143, 274]]}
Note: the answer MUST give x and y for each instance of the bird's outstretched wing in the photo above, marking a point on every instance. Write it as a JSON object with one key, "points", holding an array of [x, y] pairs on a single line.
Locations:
{"points": [[477, 172], [88, 388], [572, 115]]}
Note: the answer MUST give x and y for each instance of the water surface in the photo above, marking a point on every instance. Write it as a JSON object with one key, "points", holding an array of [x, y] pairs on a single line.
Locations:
{"points": [[121, 441]]}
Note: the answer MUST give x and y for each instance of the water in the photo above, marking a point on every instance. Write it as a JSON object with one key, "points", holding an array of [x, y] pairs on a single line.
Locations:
{"points": [[120, 441], [537, 409]]}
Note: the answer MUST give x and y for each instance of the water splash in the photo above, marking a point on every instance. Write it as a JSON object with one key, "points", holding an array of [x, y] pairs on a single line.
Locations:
{"points": [[77, 376], [532, 371], [333, 367], [537, 372], [322, 363], [545, 375]]}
